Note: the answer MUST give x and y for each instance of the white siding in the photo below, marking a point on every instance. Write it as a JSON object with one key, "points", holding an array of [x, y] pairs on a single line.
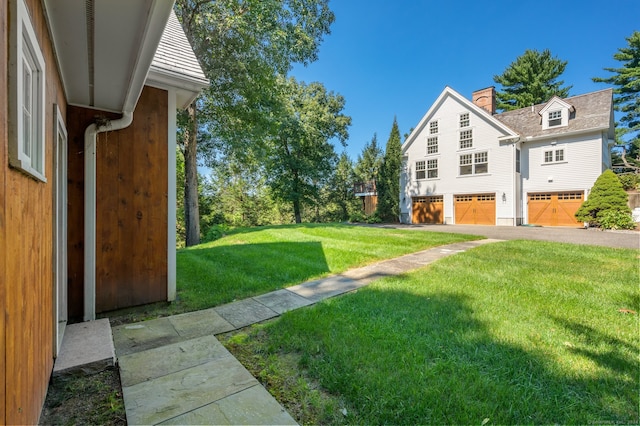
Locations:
{"points": [[498, 180]]}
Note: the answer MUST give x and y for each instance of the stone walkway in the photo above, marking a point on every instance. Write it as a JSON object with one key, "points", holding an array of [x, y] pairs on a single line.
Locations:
{"points": [[174, 370]]}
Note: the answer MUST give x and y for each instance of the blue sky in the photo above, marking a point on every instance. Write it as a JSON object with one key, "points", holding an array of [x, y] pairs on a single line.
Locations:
{"points": [[393, 58]]}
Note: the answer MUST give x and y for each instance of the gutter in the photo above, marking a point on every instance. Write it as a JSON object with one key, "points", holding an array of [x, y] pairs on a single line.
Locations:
{"points": [[90, 136]]}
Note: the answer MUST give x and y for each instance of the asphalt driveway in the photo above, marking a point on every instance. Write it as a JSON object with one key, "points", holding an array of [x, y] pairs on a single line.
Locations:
{"points": [[621, 239]]}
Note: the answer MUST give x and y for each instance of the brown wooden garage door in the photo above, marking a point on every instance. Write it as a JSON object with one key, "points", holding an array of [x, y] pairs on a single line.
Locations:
{"points": [[476, 209], [428, 209], [554, 208]]}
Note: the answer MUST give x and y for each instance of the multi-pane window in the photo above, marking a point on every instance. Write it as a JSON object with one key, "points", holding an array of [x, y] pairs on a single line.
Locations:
{"points": [[481, 162], [432, 145], [554, 155], [517, 160], [26, 141], [432, 169], [476, 163], [433, 127], [555, 118], [466, 164], [464, 120], [466, 139], [420, 170]]}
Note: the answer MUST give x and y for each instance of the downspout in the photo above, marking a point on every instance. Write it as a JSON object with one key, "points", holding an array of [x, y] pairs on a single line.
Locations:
{"points": [[90, 135]]}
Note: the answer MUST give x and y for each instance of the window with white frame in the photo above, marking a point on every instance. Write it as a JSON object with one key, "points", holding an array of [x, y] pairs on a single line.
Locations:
{"points": [[27, 96], [432, 169], [474, 164], [433, 127], [420, 170], [555, 118], [432, 145], [464, 119], [518, 154], [466, 139], [554, 156]]}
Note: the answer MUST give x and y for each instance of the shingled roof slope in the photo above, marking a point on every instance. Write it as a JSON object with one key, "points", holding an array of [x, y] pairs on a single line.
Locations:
{"points": [[175, 55], [592, 111]]}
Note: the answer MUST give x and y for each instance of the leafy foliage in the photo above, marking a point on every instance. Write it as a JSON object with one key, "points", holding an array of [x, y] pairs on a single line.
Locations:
{"points": [[300, 156], [626, 80], [530, 79], [607, 204], [341, 189], [389, 178]]}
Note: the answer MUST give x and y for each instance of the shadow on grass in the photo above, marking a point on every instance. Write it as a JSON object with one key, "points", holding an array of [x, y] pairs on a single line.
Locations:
{"points": [[403, 358], [220, 274]]}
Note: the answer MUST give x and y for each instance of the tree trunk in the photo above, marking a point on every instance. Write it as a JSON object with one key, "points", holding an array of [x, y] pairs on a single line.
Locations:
{"points": [[191, 208], [296, 210]]}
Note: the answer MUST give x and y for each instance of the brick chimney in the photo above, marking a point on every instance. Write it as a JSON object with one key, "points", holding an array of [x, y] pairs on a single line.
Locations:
{"points": [[486, 99]]}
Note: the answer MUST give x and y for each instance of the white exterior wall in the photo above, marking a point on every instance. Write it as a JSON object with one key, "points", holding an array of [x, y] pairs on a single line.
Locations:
{"points": [[583, 164], [501, 163]]}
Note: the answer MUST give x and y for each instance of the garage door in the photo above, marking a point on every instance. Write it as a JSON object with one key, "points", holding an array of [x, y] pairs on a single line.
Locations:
{"points": [[476, 209], [554, 208], [428, 209]]}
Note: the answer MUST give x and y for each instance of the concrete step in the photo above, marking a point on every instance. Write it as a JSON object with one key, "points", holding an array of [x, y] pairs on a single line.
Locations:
{"points": [[87, 348]]}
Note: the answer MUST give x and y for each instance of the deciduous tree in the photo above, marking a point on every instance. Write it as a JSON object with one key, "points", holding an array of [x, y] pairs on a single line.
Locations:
{"points": [[242, 45], [300, 154], [530, 79], [626, 80]]}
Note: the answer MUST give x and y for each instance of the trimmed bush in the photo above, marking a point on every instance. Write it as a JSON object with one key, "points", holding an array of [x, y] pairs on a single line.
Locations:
{"points": [[629, 181], [607, 203]]}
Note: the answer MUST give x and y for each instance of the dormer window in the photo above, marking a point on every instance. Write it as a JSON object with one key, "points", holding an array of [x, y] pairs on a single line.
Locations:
{"points": [[555, 118], [556, 113]]}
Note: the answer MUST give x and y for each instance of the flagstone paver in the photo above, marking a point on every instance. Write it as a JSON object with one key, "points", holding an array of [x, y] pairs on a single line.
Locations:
{"points": [[174, 370]]}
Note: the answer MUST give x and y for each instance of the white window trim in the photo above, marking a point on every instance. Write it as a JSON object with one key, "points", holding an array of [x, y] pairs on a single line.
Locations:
{"points": [[468, 120], [466, 129], [437, 127], [473, 164], [554, 149], [427, 169], [423, 170], [437, 147], [24, 47]]}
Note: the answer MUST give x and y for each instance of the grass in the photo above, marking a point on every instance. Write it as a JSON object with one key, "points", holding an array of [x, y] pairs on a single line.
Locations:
{"points": [[252, 261], [506, 333]]}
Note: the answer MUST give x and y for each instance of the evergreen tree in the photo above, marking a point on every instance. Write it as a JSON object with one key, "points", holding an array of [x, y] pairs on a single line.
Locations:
{"points": [[368, 164], [341, 191], [529, 80], [626, 80], [389, 178], [607, 199]]}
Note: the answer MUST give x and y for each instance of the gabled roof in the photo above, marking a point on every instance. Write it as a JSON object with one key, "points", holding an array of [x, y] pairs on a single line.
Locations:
{"points": [[175, 63], [555, 102], [593, 111], [449, 92]]}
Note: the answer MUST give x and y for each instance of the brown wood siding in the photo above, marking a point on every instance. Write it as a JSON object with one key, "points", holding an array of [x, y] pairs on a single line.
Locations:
{"points": [[26, 252], [4, 42], [370, 204], [131, 227]]}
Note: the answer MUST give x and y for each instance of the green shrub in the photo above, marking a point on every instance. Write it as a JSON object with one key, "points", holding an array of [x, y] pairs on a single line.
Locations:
{"points": [[607, 195], [357, 217], [616, 219], [629, 181], [215, 232]]}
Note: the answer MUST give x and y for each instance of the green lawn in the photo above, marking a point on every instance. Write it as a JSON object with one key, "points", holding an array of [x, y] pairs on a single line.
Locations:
{"points": [[507, 333], [253, 261]]}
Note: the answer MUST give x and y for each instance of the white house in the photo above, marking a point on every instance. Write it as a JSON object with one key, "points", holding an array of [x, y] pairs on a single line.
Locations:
{"points": [[464, 164]]}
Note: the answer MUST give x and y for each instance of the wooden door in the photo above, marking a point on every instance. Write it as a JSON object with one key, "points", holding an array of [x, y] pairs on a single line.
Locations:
{"points": [[554, 209], [475, 209], [428, 209]]}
